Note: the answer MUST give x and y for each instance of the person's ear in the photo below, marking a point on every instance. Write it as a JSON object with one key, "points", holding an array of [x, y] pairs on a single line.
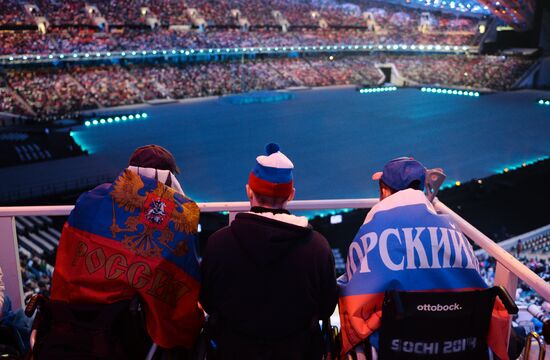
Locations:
{"points": [[291, 196], [249, 192]]}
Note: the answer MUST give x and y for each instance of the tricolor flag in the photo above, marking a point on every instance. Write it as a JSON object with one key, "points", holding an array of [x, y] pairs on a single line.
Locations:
{"points": [[405, 245], [134, 236]]}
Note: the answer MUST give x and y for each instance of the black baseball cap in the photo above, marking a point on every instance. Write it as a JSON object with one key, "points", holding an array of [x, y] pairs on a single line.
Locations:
{"points": [[154, 156]]}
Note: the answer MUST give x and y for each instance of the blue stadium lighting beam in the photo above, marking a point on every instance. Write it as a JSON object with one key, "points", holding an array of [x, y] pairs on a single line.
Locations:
{"points": [[116, 119], [443, 91]]}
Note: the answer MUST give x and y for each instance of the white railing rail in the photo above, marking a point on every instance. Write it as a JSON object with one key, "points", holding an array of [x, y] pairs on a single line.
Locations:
{"points": [[508, 270]]}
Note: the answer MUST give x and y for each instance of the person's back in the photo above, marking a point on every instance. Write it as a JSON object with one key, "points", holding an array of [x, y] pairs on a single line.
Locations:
{"points": [[403, 245], [132, 238], [268, 280]]}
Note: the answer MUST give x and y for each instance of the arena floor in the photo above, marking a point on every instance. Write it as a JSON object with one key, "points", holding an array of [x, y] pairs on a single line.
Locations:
{"points": [[336, 137]]}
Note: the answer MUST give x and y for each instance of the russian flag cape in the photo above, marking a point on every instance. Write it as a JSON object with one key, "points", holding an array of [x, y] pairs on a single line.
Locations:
{"points": [[134, 236], [405, 245]]}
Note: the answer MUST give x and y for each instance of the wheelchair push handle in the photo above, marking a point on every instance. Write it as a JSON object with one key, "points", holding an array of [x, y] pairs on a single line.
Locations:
{"points": [[506, 299], [34, 304]]}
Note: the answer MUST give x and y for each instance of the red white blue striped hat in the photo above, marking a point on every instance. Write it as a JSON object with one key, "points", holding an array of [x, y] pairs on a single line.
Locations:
{"points": [[272, 175]]}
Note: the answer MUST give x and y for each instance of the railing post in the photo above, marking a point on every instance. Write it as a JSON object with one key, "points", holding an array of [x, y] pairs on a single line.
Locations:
{"points": [[509, 281], [9, 261]]}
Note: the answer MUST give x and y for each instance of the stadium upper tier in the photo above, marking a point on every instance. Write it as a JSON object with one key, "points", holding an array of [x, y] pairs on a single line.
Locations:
{"points": [[45, 26], [53, 91]]}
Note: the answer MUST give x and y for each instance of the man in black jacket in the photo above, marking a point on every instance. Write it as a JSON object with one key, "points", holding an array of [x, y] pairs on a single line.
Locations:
{"points": [[268, 278]]}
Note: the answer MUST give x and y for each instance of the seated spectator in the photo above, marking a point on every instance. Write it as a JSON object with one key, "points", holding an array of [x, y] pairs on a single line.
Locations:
{"points": [[405, 245], [134, 237], [16, 320], [268, 277]]}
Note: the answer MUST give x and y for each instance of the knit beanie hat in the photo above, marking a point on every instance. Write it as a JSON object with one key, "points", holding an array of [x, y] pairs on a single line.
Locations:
{"points": [[272, 175]]}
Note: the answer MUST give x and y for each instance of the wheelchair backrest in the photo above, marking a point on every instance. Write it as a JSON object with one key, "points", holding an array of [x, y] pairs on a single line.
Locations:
{"points": [[436, 325]]}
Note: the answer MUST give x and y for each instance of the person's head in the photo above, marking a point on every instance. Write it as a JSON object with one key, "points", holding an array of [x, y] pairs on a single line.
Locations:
{"points": [[270, 182], [156, 157], [400, 174]]}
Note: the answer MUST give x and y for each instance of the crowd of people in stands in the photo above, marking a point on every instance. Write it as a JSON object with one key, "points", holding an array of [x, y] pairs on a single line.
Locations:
{"points": [[36, 275], [51, 92], [71, 25]]}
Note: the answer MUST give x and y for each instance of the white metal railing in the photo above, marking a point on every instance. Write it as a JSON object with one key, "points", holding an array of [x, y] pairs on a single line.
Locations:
{"points": [[508, 269]]}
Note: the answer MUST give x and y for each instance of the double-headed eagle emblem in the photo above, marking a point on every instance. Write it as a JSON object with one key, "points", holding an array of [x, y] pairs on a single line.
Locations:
{"points": [[148, 233]]}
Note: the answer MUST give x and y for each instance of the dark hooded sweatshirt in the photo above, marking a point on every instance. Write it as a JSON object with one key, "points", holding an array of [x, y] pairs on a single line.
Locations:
{"points": [[266, 283]]}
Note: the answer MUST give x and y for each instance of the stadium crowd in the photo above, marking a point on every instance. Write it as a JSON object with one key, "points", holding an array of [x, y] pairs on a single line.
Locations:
{"points": [[64, 90], [71, 26]]}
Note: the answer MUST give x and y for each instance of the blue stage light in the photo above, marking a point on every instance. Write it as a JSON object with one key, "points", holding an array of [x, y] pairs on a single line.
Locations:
{"points": [[117, 119], [102, 121], [123, 53], [95, 122], [124, 118], [110, 120], [130, 117], [541, 102], [138, 116], [144, 115], [87, 123]]}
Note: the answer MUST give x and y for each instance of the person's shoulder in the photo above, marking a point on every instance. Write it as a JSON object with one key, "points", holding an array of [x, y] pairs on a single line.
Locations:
{"points": [[319, 242], [218, 241]]}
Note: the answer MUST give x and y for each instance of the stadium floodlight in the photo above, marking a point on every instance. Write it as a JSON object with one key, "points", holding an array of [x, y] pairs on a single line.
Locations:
{"points": [[455, 92], [210, 50], [117, 119], [476, 94], [236, 49], [86, 55], [227, 50], [164, 52], [444, 91], [218, 50], [11, 58], [201, 51], [541, 102], [181, 51], [423, 89], [138, 116], [95, 122], [134, 53], [186, 52], [547, 102], [459, 92], [192, 51], [144, 52], [421, 47], [50, 56], [38, 57], [154, 52], [87, 123], [124, 118], [144, 115], [98, 54], [110, 120], [102, 121], [109, 54], [123, 53], [130, 117]]}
